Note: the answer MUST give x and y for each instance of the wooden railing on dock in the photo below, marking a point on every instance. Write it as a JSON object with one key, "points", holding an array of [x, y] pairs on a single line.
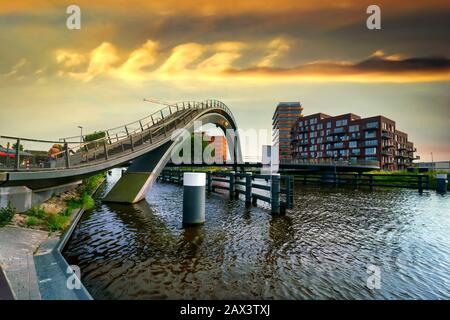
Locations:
{"points": [[279, 189], [410, 181]]}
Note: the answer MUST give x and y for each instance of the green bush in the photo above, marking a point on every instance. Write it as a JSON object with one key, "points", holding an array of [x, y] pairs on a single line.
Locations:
{"points": [[90, 184], [6, 215], [36, 212], [57, 222], [32, 221], [87, 201]]}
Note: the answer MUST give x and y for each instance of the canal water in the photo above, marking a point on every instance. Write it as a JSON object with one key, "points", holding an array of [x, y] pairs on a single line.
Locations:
{"points": [[335, 244]]}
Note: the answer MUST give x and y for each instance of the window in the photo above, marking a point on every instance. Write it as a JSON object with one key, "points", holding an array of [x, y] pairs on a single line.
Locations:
{"points": [[339, 145], [352, 144], [371, 151], [328, 124], [320, 126], [344, 152], [353, 128], [370, 143], [371, 134], [340, 123], [372, 125], [356, 152]]}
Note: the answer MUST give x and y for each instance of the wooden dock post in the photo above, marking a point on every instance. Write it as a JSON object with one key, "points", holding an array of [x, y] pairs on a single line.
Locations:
{"points": [[232, 184], [275, 194], [209, 181], [248, 188], [289, 185]]}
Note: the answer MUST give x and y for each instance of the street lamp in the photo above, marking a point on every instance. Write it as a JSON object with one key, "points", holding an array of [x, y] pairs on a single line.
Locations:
{"points": [[81, 136], [432, 161]]}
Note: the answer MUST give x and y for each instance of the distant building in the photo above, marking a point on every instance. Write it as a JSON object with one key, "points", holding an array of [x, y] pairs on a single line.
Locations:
{"points": [[437, 165], [286, 114], [220, 147], [350, 137]]}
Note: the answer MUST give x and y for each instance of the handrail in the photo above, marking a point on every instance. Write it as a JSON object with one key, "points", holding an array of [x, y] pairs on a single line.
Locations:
{"points": [[64, 140], [152, 128]]}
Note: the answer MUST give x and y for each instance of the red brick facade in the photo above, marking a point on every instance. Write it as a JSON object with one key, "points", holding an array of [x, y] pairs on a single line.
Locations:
{"points": [[350, 137]]}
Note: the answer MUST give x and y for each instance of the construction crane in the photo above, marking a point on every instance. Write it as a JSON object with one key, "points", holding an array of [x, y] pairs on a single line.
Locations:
{"points": [[164, 103]]}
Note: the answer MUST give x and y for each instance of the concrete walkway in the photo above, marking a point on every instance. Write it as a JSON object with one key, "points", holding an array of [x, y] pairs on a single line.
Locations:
{"points": [[17, 246]]}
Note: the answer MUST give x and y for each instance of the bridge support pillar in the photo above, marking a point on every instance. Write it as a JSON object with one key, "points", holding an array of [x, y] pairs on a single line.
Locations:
{"points": [[130, 188]]}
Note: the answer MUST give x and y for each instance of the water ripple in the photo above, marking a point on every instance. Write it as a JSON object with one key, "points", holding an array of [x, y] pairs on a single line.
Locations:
{"points": [[320, 250]]}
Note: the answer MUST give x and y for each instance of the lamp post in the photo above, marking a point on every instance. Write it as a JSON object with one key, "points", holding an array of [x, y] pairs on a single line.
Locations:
{"points": [[81, 136], [432, 161]]}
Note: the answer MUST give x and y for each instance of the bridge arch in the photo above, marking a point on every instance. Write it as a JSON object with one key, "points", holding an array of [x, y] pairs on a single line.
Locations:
{"points": [[145, 169]]}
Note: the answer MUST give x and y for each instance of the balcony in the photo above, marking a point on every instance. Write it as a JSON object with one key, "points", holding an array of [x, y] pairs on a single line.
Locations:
{"points": [[354, 137], [340, 130], [387, 135], [371, 126], [303, 143], [303, 129], [387, 153]]}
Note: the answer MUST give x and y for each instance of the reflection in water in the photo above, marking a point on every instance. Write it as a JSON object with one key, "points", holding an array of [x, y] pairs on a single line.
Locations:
{"points": [[321, 249]]}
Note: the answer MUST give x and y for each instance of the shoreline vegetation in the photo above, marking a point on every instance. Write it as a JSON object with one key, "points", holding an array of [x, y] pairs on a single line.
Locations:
{"points": [[390, 175], [55, 214]]}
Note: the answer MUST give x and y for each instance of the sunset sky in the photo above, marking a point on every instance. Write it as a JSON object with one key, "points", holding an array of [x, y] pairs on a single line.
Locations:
{"points": [[250, 54]]}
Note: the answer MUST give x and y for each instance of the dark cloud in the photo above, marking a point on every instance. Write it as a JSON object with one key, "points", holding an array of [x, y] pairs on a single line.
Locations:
{"points": [[386, 69]]}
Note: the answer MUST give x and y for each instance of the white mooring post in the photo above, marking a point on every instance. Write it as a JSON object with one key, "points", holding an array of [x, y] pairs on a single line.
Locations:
{"points": [[194, 184]]}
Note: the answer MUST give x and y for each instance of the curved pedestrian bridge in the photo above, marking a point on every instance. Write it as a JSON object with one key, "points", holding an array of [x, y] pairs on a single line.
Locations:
{"points": [[144, 144]]}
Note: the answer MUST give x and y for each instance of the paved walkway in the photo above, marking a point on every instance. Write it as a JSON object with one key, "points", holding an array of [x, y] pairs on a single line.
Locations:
{"points": [[17, 246]]}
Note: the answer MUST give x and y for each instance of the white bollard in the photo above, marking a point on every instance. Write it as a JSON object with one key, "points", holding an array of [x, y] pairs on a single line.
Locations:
{"points": [[194, 184]]}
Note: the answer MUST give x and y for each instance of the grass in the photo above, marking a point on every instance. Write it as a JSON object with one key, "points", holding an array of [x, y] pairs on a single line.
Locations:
{"points": [[6, 215], [90, 184], [37, 216], [33, 221], [57, 222], [386, 175]]}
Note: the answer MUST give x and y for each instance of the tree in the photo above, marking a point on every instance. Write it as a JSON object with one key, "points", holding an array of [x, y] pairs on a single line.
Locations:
{"points": [[14, 146]]}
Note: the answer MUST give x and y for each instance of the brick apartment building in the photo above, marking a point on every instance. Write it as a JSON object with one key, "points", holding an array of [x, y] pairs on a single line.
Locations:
{"points": [[285, 116], [350, 137]]}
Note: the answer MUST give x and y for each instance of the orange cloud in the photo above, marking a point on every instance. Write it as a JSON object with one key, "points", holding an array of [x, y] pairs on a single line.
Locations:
{"points": [[218, 7], [215, 62]]}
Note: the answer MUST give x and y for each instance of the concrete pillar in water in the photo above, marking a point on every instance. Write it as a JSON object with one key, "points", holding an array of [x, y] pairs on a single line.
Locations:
{"points": [[441, 183], [194, 198]]}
